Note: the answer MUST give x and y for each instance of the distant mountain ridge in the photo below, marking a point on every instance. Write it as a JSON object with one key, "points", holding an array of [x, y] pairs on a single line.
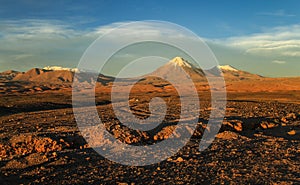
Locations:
{"points": [[197, 74], [43, 75], [59, 75], [174, 69]]}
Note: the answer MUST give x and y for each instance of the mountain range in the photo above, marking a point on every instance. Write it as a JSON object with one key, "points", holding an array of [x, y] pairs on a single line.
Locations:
{"points": [[171, 70]]}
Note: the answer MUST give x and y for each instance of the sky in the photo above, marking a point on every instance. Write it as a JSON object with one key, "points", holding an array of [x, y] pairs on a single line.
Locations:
{"points": [[261, 37]]}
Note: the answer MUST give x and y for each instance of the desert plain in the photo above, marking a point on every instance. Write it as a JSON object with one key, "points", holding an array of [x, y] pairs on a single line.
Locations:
{"points": [[40, 143]]}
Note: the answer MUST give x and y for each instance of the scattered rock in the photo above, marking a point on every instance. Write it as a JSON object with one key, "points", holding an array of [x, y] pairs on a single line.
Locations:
{"points": [[283, 124], [127, 140], [179, 159], [267, 125], [15, 164], [38, 89], [122, 183], [292, 132], [54, 154], [234, 125], [36, 159], [270, 153], [284, 120], [291, 116], [30, 160], [165, 133], [227, 135], [28, 143]]}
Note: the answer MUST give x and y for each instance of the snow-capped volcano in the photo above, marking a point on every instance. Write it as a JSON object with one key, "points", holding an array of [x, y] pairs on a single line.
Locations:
{"points": [[178, 61], [179, 69], [175, 67], [227, 68]]}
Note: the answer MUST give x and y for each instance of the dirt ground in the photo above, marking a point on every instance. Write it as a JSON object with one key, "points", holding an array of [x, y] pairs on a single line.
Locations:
{"points": [[258, 143]]}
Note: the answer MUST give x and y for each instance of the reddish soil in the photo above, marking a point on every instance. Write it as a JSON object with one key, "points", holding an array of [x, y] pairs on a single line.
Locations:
{"points": [[258, 143]]}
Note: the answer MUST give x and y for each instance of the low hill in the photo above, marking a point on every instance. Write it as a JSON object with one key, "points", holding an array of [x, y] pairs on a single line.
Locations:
{"points": [[42, 75]]}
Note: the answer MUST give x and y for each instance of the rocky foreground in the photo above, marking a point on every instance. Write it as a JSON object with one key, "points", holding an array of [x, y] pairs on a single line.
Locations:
{"points": [[259, 143]]}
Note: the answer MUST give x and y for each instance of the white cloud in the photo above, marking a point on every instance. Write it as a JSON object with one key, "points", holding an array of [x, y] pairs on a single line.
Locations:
{"points": [[279, 41], [32, 28], [279, 61], [22, 56], [53, 42], [36, 43], [142, 29], [292, 53], [278, 13]]}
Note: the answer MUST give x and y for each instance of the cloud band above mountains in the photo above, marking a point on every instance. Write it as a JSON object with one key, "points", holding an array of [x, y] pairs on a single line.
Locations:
{"points": [[36, 43], [279, 41]]}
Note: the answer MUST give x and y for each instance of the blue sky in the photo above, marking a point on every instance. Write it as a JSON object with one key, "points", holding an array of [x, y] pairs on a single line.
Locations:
{"points": [[258, 36]]}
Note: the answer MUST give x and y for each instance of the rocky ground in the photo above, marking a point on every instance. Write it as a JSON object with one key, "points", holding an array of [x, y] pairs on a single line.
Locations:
{"points": [[259, 143]]}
